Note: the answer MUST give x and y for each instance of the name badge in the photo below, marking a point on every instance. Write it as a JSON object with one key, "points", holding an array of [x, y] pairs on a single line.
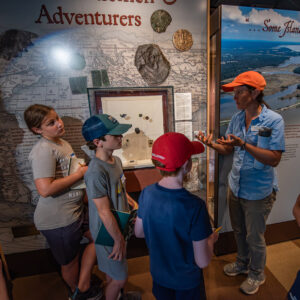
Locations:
{"points": [[123, 179], [255, 128]]}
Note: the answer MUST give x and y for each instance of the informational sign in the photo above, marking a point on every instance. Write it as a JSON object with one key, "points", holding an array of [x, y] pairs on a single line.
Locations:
{"points": [[183, 106]]}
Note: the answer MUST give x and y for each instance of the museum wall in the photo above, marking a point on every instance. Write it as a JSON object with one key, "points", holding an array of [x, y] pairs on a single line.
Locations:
{"points": [[52, 51]]}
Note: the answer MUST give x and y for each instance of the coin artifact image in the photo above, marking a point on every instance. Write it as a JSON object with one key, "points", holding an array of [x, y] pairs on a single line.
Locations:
{"points": [[182, 40], [160, 20], [151, 64]]}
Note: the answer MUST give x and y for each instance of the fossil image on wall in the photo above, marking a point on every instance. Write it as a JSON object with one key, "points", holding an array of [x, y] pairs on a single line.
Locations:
{"points": [[152, 64]]}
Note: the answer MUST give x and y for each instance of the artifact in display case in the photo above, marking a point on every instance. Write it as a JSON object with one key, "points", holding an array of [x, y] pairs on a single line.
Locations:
{"points": [[149, 110]]}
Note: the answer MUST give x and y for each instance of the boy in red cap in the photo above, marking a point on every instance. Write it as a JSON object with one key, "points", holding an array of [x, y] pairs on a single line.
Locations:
{"points": [[175, 223]]}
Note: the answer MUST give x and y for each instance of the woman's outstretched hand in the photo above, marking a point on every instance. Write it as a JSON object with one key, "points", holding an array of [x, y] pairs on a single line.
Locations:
{"points": [[206, 140]]}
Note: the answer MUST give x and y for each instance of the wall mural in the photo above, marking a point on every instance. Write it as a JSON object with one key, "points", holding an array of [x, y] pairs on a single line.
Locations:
{"points": [[56, 50], [267, 41]]}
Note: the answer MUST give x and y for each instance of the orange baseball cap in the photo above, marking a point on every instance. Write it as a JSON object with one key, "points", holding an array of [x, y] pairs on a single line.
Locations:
{"points": [[251, 78]]}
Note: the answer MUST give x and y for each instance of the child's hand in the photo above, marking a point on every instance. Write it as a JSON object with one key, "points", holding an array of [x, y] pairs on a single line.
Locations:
{"points": [[133, 204], [82, 169], [119, 250], [214, 236]]}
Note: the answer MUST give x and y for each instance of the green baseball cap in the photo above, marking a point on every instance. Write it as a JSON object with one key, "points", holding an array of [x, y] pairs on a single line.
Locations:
{"points": [[101, 125]]}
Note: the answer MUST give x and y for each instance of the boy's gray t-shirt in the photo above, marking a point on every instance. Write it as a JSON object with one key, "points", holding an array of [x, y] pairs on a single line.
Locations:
{"points": [[49, 159], [104, 179]]}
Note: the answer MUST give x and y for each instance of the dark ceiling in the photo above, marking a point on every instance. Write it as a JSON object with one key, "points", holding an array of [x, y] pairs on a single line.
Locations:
{"points": [[276, 4]]}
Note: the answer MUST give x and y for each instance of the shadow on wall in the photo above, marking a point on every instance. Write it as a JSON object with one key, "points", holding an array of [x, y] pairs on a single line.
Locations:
{"points": [[73, 135], [15, 197], [225, 164], [16, 203]]}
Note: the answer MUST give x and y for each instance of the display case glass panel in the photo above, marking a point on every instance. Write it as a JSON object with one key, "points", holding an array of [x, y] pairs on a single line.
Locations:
{"points": [[149, 110]]}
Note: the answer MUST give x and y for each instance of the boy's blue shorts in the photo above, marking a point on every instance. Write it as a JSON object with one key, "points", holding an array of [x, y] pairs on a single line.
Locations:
{"points": [[294, 292], [163, 293]]}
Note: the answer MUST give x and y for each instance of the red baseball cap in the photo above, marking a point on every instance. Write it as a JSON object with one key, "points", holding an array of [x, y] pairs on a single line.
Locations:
{"points": [[173, 149], [251, 78]]}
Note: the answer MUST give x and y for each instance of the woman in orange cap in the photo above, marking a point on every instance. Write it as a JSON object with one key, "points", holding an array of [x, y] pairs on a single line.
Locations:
{"points": [[256, 137]]}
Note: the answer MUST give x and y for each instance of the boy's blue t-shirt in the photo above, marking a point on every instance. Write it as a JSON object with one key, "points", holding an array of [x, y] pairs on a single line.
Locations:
{"points": [[172, 219]]}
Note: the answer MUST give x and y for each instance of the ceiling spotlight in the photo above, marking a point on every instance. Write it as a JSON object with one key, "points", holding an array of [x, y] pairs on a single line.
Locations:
{"points": [[61, 56]]}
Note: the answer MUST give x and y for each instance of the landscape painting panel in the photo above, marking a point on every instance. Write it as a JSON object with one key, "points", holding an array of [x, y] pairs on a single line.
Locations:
{"points": [[266, 41]]}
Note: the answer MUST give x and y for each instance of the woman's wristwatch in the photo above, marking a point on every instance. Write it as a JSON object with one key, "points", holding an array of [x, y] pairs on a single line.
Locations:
{"points": [[243, 145]]}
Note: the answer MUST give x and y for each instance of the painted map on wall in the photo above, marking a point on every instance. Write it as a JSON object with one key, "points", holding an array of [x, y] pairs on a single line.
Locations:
{"points": [[52, 51]]}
